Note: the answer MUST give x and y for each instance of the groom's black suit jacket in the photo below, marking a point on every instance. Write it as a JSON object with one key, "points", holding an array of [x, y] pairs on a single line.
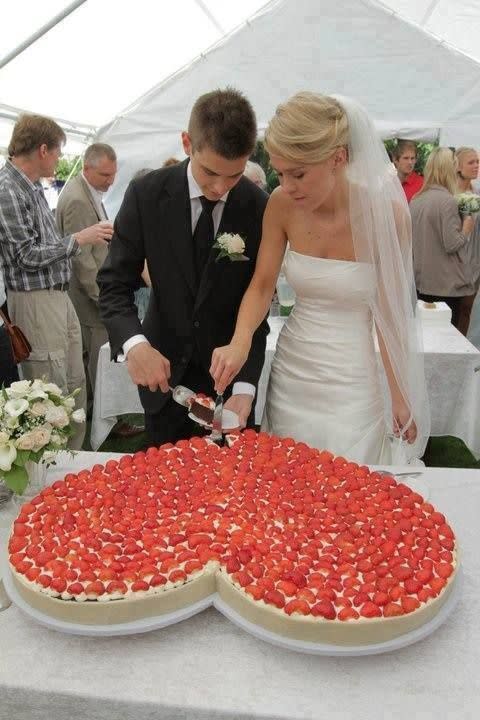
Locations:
{"points": [[187, 316]]}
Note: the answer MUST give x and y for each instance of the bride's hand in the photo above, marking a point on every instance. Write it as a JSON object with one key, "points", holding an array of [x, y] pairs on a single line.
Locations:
{"points": [[226, 363], [401, 417]]}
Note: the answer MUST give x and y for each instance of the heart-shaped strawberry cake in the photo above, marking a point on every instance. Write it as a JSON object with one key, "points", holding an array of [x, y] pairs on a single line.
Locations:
{"points": [[297, 541]]}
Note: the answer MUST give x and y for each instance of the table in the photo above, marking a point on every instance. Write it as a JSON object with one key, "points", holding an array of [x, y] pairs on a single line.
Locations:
{"points": [[453, 386], [206, 669]]}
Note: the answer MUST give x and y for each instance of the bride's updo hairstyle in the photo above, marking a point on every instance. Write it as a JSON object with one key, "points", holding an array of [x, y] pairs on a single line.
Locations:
{"points": [[308, 128]]}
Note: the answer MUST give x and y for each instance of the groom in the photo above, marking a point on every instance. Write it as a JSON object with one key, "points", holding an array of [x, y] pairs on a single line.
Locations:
{"points": [[170, 218]]}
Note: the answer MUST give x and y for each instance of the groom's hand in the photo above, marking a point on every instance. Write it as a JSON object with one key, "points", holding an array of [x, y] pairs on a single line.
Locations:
{"points": [[241, 404], [148, 367]]}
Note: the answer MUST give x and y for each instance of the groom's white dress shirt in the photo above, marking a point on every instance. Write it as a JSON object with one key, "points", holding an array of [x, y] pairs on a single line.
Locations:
{"points": [[196, 210]]}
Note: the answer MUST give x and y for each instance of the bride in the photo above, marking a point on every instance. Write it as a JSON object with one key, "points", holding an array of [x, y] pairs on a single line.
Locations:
{"points": [[341, 212]]}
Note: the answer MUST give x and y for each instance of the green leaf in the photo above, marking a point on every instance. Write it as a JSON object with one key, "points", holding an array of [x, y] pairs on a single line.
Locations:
{"points": [[36, 456], [22, 457], [16, 479]]}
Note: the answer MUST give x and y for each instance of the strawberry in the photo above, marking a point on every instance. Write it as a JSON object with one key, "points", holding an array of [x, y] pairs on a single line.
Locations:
{"points": [[402, 572], [392, 610], [298, 578], [325, 609], [136, 586], [348, 613], [409, 604], [96, 588], [412, 585], [59, 585], [370, 610], [233, 564], [287, 587], [437, 584], [380, 598], [158, 580], [274, 597], [243, 578], [300, 607], [444, 570]]}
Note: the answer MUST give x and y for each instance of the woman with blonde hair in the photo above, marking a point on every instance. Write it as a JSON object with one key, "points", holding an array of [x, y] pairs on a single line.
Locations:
{"points": [[441, 238], [467, 171], [342, 211]]}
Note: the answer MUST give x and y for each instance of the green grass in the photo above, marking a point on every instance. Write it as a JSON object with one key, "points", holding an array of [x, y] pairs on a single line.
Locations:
{"points": [[444, 451]]}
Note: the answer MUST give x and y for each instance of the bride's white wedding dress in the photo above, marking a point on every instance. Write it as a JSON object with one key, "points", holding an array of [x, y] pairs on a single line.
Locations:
{"points": [[324, 387]]}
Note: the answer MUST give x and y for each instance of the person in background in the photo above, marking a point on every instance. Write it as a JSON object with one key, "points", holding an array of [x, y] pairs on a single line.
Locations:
{"points": [[404, 157], [467, 172], [8, 367], [36, 260], [441, 238], [255, 173], [80, 205], [170, 161]]}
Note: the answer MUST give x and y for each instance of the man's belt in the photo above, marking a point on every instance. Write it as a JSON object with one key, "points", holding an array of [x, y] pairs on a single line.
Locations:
{"points": [[60, 286]]}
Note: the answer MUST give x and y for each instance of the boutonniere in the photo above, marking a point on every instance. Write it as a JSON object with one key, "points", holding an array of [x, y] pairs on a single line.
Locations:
{"points": [[231, 246]]}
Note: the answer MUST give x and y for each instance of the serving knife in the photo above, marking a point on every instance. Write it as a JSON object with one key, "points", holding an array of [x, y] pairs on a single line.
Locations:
{"points": [[216, 433]]}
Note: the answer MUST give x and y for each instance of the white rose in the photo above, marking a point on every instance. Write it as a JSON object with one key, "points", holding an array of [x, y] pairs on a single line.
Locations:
{"points": [[57, 416], [4, 438], [79, 416], [69, 403], [37, 394], [15, 407], [57, 439], [52, 389], [8, 453], [41, 437], [26, 442], [18, 389], [39, 409], [235, 244]]}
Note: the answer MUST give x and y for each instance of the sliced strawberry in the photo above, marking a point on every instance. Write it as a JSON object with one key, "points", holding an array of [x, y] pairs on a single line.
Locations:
{"points": [[370, 610], [392, 610], [299, 607]]}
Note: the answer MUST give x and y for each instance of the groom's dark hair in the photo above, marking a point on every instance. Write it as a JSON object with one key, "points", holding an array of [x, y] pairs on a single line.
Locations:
{"points": [[224, 121]]}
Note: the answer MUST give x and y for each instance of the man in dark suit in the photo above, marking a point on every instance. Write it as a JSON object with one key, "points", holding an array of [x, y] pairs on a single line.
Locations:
{"points": [[170, 218]]}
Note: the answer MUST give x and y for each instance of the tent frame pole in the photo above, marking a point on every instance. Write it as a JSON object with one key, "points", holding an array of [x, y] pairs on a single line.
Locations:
{"points": [[39, 33]]}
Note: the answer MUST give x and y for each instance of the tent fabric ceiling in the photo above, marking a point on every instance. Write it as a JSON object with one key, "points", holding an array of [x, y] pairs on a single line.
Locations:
{"points": [[106, 53], [134, 69], [413, 85]]}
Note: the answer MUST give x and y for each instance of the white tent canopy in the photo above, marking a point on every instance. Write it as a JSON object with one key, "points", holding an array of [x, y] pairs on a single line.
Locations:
{"points": [[415, 65], [413, 85], [103, 55]]}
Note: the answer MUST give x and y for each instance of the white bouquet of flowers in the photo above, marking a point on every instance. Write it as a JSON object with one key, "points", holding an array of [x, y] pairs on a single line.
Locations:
{"points": [[468, 203], [35, 419]]}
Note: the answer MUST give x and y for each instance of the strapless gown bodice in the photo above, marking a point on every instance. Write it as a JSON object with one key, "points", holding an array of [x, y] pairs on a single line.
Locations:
{"points": [[325, 386]]}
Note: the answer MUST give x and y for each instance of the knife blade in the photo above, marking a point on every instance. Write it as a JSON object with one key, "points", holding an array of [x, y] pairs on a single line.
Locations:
{"points": [[216, 433]]}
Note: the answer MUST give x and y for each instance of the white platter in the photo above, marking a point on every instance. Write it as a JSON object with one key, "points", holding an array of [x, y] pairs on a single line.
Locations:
{"points": [[161, 621]]}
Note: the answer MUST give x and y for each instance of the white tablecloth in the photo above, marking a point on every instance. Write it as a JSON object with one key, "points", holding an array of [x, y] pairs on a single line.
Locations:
{"points": [[205, 668], [453, 386]]}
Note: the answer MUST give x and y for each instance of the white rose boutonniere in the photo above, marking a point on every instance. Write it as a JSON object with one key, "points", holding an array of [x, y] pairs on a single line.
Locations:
{"points": [[231, 246]]}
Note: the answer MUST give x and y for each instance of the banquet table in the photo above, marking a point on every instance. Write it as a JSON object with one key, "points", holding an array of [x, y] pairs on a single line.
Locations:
{"points": [[206, 668], [450, 362]]}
